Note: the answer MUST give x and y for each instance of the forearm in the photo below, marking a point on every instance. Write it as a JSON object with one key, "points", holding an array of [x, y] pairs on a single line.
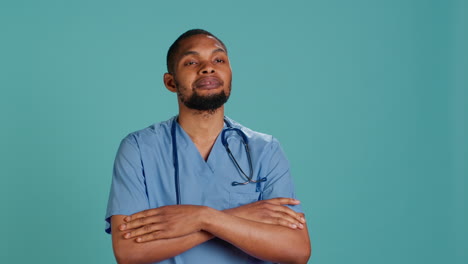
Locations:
{"points": [[128, 251], [264, 241], [164, 232]]}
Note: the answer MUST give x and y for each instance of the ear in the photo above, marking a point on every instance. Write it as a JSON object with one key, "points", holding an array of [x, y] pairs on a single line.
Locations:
{"points": [[169, 82]]}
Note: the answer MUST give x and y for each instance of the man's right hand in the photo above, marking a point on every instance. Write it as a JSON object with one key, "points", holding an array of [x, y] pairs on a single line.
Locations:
{"points": [[272, 211]]}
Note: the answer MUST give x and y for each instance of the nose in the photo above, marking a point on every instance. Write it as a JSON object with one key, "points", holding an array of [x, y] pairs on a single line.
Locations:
{"points": [[207, 68]]}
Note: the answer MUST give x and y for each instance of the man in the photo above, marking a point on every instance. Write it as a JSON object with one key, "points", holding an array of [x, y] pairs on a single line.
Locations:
{"points": [[188, 191]]}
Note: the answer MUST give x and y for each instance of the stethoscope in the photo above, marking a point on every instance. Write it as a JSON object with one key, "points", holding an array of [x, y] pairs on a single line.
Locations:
{"points": [[245, 142]]}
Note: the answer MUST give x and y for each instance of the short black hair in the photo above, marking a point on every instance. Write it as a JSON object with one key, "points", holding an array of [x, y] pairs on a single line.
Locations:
{"points": [[171, 53]]}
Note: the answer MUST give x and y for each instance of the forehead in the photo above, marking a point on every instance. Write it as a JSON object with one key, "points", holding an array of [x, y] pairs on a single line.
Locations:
{"points": [[199, 44]]}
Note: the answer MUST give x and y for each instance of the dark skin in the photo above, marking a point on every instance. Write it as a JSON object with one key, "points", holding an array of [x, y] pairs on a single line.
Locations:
{"points": [[202, 67], [139, 246]]}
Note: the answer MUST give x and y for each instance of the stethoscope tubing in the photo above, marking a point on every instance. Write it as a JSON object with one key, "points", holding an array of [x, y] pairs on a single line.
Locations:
{"points": [[248, 178], [175, 159]]}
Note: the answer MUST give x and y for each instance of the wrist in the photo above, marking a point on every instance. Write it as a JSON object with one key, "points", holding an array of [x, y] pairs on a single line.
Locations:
{"points": [[208, 217], [236, 211]]}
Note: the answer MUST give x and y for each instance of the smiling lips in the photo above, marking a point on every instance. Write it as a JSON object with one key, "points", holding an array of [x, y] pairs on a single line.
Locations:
{"points": [[208, 83]]}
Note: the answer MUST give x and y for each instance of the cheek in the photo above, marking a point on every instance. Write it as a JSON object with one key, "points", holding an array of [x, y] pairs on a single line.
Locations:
{"points": [[186, 80], [227, 74]]}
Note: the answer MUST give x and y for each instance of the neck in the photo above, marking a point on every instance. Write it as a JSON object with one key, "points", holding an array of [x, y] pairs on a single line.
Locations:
{"points": [[201, 126]]}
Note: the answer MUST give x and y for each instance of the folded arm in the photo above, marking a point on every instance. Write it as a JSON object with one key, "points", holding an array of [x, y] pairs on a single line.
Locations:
{"points": [[264, 241], [253, 228], [127, 251]]}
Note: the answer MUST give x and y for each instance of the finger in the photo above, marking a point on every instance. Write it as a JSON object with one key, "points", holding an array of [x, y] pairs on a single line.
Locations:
{"points": [[284, 209], [143, 214], [283, 200], [290, 221], [162, 233], [147, 229], [292, 225], [302, 216], [286, 220], [149, 237], [139, 222]]}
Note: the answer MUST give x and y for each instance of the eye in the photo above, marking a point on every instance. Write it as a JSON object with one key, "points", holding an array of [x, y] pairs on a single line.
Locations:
{"points": [[219, 61], [188, 63]]}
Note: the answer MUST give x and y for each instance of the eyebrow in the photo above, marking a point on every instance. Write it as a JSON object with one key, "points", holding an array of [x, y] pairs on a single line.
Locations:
{"points": [[191, 52]]}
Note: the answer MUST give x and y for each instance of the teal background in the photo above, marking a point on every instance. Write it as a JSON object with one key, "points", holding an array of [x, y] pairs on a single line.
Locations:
{"points": [[368, 98]]}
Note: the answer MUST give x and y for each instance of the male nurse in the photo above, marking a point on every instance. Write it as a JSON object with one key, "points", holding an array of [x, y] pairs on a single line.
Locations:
{"points": [[200, 187]]}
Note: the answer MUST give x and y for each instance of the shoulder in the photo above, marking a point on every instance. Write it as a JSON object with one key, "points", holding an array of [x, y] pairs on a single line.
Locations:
{"points": [[255, 138], [152, 134]]}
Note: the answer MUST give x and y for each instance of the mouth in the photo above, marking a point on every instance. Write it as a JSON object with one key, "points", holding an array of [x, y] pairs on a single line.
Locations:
{"points": [[208, 83]]}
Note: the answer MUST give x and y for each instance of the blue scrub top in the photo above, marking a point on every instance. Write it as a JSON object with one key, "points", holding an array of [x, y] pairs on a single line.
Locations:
{"points": [[143, 178]]}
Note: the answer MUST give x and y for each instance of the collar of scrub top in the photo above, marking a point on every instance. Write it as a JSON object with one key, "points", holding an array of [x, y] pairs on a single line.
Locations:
{"points": [[245, 142]]}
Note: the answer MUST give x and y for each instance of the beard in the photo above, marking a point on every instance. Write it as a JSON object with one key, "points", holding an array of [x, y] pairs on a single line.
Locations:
{"points": [[203, 102]]}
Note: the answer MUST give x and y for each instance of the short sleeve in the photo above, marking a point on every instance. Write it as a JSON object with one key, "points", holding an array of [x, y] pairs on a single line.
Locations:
{"points": [[279, 182], [128, 189]]}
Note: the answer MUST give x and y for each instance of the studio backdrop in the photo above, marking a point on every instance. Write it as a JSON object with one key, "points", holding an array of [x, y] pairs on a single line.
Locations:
{"points": [[368, 99]]}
